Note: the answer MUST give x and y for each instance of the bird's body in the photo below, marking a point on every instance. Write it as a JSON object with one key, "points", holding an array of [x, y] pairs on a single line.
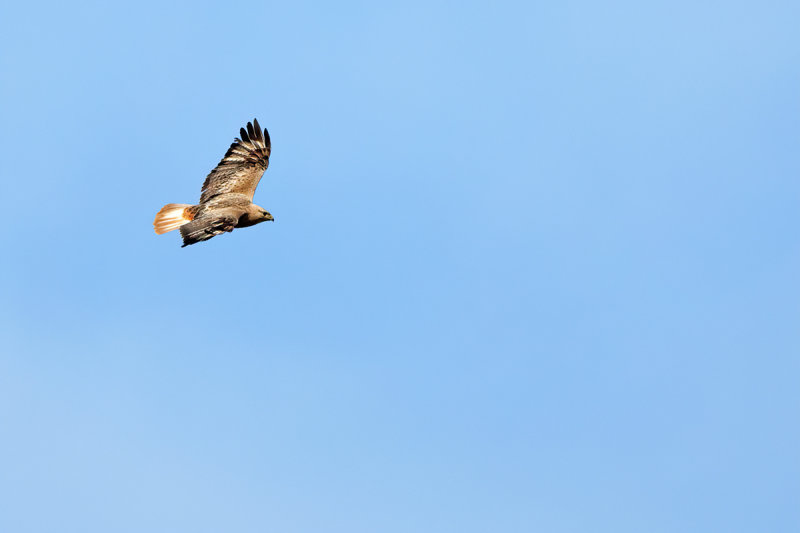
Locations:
{"points": [[226, 200]]}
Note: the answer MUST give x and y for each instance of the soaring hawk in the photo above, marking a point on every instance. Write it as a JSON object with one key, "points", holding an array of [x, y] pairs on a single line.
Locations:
{"points": [[226, 200]]}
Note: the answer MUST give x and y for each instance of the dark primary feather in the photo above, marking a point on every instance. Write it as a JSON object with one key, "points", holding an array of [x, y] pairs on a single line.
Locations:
{"points": [[243, 165], [205, 227]]}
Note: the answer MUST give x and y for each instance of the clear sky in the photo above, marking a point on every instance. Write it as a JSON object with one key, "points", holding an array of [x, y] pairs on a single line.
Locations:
{"points": [[534, 268]]}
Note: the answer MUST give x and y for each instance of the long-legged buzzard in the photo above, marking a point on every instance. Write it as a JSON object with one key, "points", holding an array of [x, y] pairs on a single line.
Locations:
{"points": [[226, 200]]}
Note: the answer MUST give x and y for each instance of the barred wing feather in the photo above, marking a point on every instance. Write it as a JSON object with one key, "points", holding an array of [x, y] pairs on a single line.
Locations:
{"points": [[242, 167]]}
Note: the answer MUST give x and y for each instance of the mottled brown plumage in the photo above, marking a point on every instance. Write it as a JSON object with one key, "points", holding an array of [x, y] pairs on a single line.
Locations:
{"points": [[226, 199], [242, 167]]}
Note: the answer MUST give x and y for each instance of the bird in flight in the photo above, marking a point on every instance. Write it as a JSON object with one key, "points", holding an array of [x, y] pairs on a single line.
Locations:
{"points": [[226, 200]]}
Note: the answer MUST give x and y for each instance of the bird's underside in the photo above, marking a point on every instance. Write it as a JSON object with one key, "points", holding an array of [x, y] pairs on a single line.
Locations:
{"points": [[226, 200]]}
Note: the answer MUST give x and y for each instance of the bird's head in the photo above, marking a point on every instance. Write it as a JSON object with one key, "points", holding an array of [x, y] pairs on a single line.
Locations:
{"points": [[262, 215]]}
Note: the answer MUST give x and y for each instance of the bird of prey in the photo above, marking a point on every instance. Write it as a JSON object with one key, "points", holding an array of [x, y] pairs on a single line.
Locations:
{"points": [[226, 200]]}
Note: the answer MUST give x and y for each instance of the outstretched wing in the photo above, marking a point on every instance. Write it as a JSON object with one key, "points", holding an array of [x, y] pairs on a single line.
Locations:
{"points": [[242, 167], [209, 225]]}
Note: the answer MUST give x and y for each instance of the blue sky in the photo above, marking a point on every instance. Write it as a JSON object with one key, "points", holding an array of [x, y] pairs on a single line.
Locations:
{"points": [[534, 268]]}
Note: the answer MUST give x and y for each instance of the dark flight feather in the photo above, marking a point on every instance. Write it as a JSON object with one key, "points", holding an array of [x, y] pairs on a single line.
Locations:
{"points": [[203, 228], [241, 168]]}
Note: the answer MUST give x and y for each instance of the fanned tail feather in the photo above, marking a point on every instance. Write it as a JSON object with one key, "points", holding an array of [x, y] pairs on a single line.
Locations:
{"points": [[172, 216]]}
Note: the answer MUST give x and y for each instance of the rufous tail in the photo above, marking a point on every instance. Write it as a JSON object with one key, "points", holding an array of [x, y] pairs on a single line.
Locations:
{"points": [[172, 216]]}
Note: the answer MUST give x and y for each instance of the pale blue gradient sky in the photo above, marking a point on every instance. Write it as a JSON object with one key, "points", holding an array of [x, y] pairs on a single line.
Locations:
{"points": [[534, 268]]}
